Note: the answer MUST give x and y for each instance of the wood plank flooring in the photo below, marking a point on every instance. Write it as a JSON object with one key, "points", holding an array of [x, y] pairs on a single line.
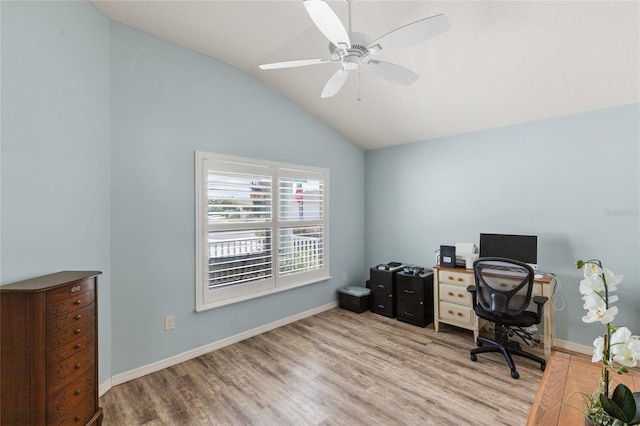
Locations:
{"points": [[335, 368]]}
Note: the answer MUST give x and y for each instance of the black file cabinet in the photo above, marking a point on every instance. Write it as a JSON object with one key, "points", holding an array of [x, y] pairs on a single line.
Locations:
{"points": [[383, 290], [414, 294]]}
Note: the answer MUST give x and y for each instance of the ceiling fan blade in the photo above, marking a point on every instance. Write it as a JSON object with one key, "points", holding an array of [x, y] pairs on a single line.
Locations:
{"points": [[410, 34], [335, 83], [327, 22], [294, 63], [392, 72]]}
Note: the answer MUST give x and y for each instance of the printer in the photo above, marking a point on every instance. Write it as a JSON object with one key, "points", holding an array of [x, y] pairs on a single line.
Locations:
{"points": [[466, 253]]}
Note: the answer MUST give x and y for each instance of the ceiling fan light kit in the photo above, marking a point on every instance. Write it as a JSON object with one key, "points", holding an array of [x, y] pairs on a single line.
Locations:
{"points": [[352, 50]]}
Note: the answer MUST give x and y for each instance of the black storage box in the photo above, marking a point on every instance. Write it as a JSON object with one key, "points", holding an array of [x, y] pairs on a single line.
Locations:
{"points": [[354, 298]]}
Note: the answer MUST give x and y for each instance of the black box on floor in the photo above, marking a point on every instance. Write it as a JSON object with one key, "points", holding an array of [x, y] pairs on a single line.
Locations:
{"points": [[354, 298]]}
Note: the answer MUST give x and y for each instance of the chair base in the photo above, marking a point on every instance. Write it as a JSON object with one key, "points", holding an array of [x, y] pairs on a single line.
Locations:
{"points": [[508, 349]]}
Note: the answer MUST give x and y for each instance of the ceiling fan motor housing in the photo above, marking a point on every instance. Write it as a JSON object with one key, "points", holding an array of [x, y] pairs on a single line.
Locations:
{"points": [[352, 57]]}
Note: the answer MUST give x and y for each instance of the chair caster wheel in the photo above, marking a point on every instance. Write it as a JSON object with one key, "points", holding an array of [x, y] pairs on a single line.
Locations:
{"points": [[473, 358], [515, 374]]}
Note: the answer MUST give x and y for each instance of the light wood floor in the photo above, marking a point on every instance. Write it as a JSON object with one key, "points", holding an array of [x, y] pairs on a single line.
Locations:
{"points": [[335, 368]]}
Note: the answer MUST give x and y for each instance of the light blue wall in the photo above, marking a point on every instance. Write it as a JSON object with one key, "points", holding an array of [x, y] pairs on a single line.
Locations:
{"points": [[99, 126], [572, 181], [55, 147], [166, 103]]}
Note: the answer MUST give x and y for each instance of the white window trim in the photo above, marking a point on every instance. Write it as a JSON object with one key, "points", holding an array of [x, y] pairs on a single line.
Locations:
{"points": [[280, 283]]}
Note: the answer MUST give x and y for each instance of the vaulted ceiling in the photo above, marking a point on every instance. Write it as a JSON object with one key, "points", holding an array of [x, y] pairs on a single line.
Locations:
{"points": [[500, 63]]}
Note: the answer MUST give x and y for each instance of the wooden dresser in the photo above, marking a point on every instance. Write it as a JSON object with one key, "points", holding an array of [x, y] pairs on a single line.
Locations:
{"points": [[49, 350]]}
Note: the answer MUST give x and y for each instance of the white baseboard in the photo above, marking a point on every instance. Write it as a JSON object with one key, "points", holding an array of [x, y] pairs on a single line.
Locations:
{"points": [[194, 353], [573, 347], [104, 387]]}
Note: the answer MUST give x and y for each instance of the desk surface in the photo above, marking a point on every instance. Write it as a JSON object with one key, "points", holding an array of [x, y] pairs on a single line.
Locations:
{"points": [[546, 278], [565, 376]]}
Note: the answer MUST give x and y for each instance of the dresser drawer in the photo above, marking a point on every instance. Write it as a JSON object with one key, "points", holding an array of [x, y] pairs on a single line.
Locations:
{"points": [[70, 290], [61, 352], [71, 319], [79, 329], [70, 304], [68, 370], [455, 294], [459, 278], [457, 313], [60, 402], [78, 415]]}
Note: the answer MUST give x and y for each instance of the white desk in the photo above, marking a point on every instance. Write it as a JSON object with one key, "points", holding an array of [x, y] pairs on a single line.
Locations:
{"points": [[452, 302]]}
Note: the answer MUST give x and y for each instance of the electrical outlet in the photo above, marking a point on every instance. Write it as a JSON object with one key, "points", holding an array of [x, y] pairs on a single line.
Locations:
{"points": [[169, 322]]}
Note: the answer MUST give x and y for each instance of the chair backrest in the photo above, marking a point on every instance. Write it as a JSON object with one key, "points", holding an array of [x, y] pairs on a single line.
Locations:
{"points": [[503, 286]]}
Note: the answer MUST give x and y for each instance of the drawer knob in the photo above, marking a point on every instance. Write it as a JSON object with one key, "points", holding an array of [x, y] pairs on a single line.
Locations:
{"points": [[459, 314], [460, 279], [78, 316], [78, 392], [450, 312], [78, 302], [77, 346], [450, 278], [409, 291], [77, 366], [77, 418], [460, 295], [76, 289], [450, 293], [77, 331]]}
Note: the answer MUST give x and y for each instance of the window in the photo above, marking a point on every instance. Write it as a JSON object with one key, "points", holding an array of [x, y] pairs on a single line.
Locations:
{"points": [[261, 227]]}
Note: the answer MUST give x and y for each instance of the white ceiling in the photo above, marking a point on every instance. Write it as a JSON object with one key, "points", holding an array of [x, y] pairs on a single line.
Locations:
{"points": [[501, 63]]}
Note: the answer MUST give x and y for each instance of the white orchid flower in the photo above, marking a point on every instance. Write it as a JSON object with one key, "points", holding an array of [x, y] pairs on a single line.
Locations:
{"points": [[594, 301], [612, 279], [605, 316], [591, 270], [625, 347], [591, 285], [598, 345]]}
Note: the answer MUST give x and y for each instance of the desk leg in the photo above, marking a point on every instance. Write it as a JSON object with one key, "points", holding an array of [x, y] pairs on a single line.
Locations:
{"points": [[547, 290]]}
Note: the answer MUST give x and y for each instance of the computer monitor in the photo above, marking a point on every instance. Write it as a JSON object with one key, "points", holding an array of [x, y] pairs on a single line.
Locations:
{"points": [[519, 247]]}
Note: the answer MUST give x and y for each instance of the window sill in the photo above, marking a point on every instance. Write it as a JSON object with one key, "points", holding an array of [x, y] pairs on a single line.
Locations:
{"points": [[231, 301]]}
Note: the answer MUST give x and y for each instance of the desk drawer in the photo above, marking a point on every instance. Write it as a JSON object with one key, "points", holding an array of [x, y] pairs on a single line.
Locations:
{"points": [[457, 313], [455, 294], [458, 278]]}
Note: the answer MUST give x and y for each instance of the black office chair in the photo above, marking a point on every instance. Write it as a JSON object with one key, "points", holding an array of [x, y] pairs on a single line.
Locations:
{"points": [[501, 295]]}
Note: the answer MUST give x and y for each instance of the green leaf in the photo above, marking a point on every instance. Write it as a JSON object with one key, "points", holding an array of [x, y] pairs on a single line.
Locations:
{"points": [[623, 405], [636, 418]]}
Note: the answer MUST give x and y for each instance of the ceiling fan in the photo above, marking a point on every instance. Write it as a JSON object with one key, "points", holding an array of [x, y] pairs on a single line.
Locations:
{"points": [[353, 50]]}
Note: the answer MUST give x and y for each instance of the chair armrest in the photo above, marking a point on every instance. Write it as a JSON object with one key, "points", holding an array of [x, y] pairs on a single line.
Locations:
{"points": [[472, 289], [540, 301]]}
